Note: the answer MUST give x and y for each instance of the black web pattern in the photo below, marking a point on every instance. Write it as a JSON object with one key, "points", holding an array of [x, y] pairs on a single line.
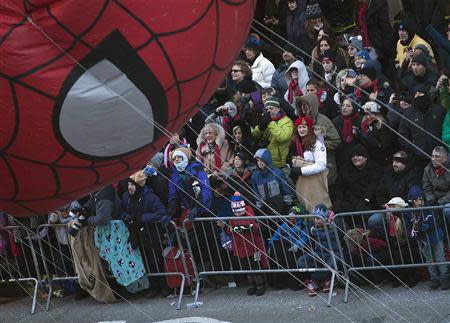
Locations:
{"points": [[95, 166]]}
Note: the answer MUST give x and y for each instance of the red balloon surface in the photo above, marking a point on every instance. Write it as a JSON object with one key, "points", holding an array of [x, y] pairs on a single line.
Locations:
{"points": [[90, 90]]}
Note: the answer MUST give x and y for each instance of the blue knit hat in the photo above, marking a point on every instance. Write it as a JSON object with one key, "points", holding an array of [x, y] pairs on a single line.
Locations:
{"points": [[415, 192], [364, 54], [320, 210], [237, 203]]}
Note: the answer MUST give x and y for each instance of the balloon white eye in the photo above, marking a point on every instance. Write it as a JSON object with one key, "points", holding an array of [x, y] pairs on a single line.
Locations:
{"points": [[104, 114]]}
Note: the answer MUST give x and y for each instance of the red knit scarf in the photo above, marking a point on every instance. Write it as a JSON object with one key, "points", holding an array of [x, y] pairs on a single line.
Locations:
{"points": [[298, 147], [365, 126], [293, 91], [347, 130], [439, 171], [279, 116], [373, 84], [215, 149], [362, 23]]}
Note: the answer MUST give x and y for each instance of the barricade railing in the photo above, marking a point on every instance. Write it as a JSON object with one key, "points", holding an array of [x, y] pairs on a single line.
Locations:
{"points": [[154, 238], [19, 261], [214, 254], [391, 239]]}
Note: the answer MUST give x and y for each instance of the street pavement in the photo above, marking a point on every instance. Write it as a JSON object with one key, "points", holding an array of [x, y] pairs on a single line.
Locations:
{"points": [[233, 305]]}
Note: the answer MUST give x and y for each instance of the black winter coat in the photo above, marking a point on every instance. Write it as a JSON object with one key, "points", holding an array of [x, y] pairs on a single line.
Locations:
{"points": [[343, 151], [396, 184], [378, 143], [431, 121], [410, 81], [379, 27], [356, 188]]}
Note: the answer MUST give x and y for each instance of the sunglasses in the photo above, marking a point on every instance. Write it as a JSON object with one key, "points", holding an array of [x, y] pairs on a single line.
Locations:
{"points": [[235, 71]]}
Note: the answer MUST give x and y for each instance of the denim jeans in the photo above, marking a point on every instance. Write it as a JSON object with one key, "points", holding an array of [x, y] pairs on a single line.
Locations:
{"points": [[446, 213], [435, 254]]}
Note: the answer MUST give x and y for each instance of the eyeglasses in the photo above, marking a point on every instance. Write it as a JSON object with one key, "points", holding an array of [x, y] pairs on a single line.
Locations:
{"points": [[235, 71]]}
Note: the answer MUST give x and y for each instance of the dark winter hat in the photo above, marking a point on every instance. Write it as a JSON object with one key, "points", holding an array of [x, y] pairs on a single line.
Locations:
{"points": [[291, 49], [423, 48], [328, 55], [246, 86], [237, 203], [369, 71], [422, 88], [320, 210], [415, 192], [313, 11], [253, 43], [272, 102], [363, 54], [360, 150], [420, 59], [243, 155]]}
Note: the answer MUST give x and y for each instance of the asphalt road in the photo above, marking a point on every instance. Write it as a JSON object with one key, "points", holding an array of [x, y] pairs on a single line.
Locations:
{"points": [[233, 305]]}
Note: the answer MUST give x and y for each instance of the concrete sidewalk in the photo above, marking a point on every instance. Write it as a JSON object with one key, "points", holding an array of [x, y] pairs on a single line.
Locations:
{"points": [[233, 305]]}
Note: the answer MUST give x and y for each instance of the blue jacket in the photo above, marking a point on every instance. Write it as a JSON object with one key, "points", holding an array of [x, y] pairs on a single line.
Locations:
{"points": [[150, 208], [297, 234], [428, 227], [322, 246], [180, 188], [270, 183]]}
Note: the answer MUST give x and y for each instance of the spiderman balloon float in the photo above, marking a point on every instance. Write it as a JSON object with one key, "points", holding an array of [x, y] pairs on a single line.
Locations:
{"points": [[90, 89]]}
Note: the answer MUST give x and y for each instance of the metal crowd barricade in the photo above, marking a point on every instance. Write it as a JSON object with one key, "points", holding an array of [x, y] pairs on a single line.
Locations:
{"points": [[372, 241], [58, 263], [210, 258], [20, 265]]}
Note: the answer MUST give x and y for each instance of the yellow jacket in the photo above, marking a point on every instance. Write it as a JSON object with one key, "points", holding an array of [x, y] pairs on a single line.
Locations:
{"points": [[402, 50]]}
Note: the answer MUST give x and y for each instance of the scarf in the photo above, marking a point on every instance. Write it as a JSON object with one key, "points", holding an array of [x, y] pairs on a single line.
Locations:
{"points": [[298, 146], [373, 84], [362, 10], [293, 91], [347, 130], [212, 149], [439, 171], [365, 126], [280, 115]]}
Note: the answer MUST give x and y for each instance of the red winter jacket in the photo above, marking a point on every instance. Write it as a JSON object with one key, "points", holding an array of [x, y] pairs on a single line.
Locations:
{"points": [[244, 241]]}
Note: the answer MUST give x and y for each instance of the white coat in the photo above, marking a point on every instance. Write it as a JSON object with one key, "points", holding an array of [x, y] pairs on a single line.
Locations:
{"points": [[262, 70], [318, 156]]}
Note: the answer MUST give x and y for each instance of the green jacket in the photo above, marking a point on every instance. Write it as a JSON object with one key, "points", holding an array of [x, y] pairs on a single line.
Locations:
{"points": [[445, 102], [278, 134]]}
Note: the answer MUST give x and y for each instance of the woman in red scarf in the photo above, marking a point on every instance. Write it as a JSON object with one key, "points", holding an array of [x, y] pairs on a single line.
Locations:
{"points": [[347, 124], [308, 160], [213, 150]]}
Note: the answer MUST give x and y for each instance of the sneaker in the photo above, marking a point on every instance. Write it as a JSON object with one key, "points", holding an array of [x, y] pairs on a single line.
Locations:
{"points": [[312, 287], [445, 285], [260, 290], [326, 286], [251, 290], [435, 284]]}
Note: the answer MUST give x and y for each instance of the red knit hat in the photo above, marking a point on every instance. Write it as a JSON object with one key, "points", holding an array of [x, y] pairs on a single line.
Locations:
{"points": [[304, 120]]}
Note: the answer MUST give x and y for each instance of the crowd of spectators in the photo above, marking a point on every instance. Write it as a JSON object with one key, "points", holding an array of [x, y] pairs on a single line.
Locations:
{"points": [[334, 106]]}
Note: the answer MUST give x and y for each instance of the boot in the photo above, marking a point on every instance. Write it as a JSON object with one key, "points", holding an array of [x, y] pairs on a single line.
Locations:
{"points": [[260, 290], [252, 290]]}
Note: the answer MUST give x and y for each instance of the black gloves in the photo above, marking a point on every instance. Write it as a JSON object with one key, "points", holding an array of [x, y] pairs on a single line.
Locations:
{"points": [[264, 121], [133, 236], [295, 173]]}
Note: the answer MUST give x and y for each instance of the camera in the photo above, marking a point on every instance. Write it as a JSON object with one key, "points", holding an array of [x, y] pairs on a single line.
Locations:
{"points": [[80, 216]]}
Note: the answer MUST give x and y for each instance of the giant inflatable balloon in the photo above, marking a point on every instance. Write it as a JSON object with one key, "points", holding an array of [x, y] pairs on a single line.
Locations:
{"points": [[90, 89]]}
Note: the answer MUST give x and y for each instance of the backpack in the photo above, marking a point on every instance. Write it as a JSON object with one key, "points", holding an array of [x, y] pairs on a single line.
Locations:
{"points": [[173, 264]]}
